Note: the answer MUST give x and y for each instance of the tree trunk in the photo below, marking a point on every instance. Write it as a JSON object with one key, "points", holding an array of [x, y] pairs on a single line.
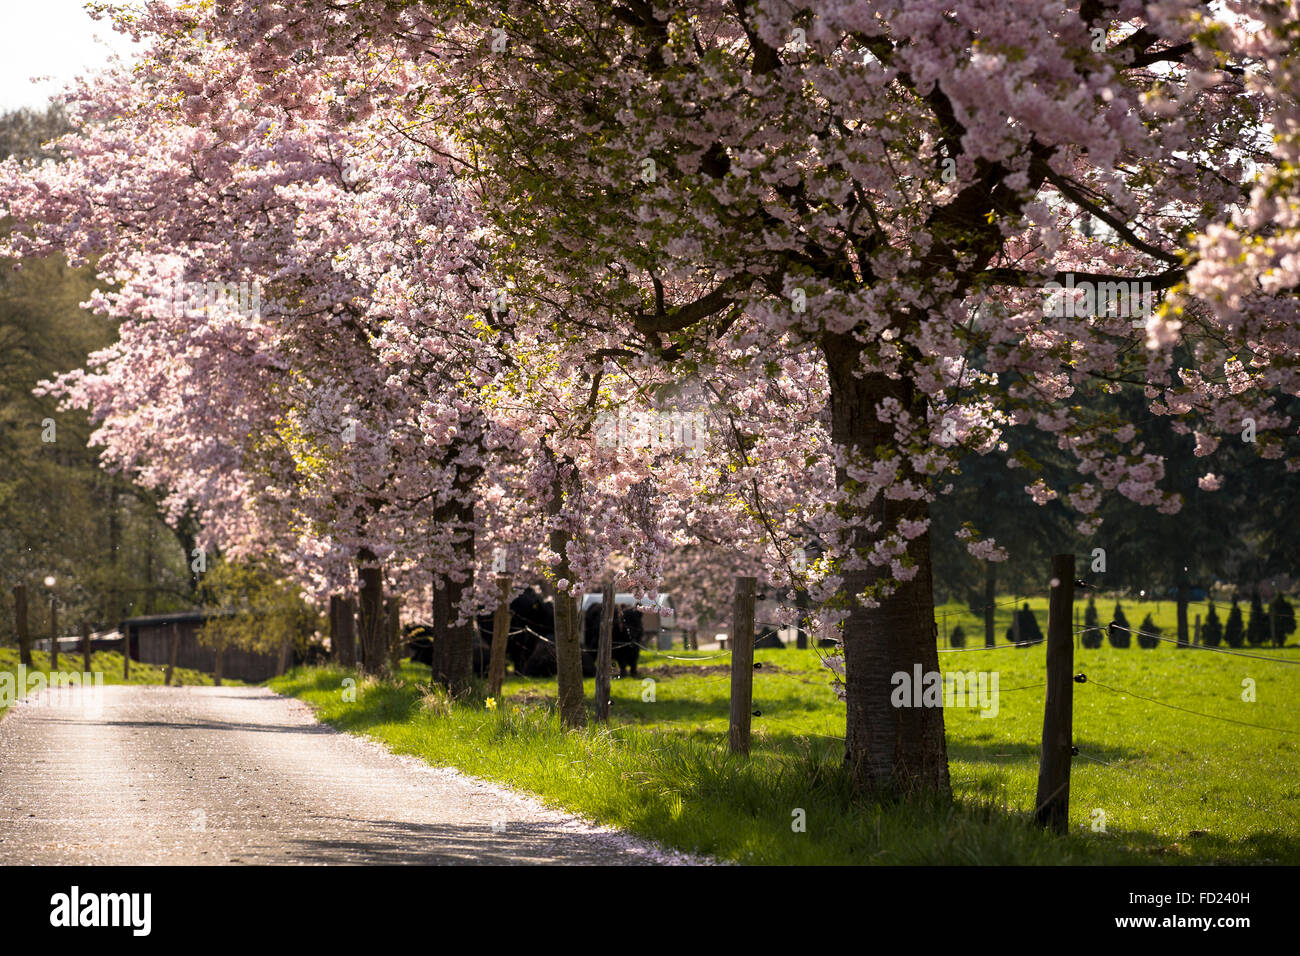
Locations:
{"points": [[20, 625], [150, 589], [114, 596], [888, 750], [1182, 614], [54, 635], [568, 646], [171, 657], [453, 647], [347, 631], [334, 626], [804, 631], [604, 651], [453, 644], [373, 655], [990, 602], [500, 638], [393, 633]]}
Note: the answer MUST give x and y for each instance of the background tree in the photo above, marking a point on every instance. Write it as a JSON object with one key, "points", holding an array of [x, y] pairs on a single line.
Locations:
{"points": [[1118, 631], [1284, 619], [1234, 632], [1212, 632], [1092, 635], [102, 538], [957, 636], [1258, 632], [254, 609], [1148, 634]]}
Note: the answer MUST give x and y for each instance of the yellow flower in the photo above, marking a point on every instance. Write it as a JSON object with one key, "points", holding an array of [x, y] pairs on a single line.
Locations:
{"points": [[491, 703]]}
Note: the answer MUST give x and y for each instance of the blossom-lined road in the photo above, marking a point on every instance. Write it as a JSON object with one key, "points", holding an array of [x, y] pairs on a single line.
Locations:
{"points": [[230, 775]]}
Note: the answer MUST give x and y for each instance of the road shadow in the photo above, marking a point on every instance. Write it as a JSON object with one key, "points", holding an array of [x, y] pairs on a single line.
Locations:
{"points": [[392, 843]]}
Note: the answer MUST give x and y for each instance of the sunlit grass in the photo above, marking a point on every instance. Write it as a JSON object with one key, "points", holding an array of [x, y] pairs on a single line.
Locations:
{"points": [[1169, 786]]}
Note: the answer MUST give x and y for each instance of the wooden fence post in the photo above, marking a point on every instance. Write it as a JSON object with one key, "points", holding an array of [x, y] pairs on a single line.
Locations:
{"points": [[218, 664], [54, 634], [126, 653], [20, 625], [1196, 630], [85, 647], [171, 657], [500, 639], [802, 634], [334, 626], [1058, 712], [605, 651], [741, 645]]}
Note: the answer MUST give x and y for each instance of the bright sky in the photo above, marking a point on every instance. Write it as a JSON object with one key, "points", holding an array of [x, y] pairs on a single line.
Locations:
{"points": [[52, 38]]}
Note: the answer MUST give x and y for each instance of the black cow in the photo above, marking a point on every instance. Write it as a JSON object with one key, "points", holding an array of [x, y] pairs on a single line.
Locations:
{"points": [[419, 645], [530, 646], [629, 629]]}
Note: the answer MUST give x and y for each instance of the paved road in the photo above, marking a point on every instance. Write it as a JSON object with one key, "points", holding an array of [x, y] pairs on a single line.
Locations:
{"points": [[231, 775]]}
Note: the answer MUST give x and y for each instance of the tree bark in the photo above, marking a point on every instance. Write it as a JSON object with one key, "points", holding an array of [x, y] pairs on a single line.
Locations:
{"points": [[374, 659], [804, 631], [54, 635], [604, 651], [393, 633], [20, 625], [500, 638], [888, 750], [114, 595], [453, 648], [171, 657], [1182, 614], [990, 602], [568, 646], [347, 633], [453, 644]]}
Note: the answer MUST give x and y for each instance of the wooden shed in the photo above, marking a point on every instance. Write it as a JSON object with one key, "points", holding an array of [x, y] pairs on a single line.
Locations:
{"points": [[151, 641]]}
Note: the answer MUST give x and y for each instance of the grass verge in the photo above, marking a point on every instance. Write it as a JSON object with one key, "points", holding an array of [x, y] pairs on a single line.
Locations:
{"points": [[1151, 785]]}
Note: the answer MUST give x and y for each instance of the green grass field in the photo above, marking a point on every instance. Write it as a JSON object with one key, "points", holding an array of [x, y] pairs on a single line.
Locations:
{"points": [[1168, 786]]}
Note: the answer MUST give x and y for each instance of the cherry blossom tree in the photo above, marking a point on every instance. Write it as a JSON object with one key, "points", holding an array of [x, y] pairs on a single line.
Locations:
{"points": [[896, 185], [886, 232]]}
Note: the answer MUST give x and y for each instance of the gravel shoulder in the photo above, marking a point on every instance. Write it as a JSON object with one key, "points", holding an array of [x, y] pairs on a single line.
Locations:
{"points": [[240, 775]]}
